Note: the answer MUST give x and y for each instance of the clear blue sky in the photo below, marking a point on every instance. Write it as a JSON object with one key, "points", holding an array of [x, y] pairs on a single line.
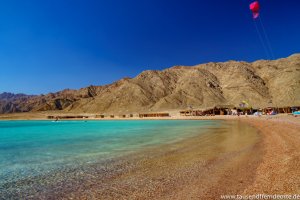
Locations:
{"points": [[49, 45]]}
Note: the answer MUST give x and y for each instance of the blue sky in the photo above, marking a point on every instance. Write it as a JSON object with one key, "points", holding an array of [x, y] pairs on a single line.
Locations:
{"points": [[46, 46]]}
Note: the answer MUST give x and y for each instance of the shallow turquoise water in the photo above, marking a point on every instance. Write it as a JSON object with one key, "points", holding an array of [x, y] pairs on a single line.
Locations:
{"points": [[30, 148]]}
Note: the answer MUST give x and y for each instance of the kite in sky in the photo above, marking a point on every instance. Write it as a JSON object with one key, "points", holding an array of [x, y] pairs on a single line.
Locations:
{"points": [[255, 7]]}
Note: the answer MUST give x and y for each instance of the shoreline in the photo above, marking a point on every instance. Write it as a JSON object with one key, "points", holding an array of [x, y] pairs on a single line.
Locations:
{"points": [[154, 172], [268, 165], [39, 116]]}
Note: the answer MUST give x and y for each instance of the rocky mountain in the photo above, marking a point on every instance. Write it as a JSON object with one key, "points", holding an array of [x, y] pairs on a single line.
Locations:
{"points": [[6, 96], [178, 87]]}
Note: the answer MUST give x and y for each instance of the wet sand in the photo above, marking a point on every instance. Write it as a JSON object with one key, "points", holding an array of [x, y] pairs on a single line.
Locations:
{"points": [[248, 155]]}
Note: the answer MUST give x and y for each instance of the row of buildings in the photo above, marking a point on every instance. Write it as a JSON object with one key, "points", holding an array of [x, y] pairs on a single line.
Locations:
{"points": [[232, 110], [110, 116], [217, 110]]}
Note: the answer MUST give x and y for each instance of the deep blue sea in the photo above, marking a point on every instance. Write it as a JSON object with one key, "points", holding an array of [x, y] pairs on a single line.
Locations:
{"points": [[30, 148]]}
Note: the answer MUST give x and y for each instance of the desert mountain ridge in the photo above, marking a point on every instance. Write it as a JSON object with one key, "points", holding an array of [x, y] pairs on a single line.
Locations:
{"points": [[178, 87]]}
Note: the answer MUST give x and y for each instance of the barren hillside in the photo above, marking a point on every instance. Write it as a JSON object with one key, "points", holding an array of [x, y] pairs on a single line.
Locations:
{"points": [[178, 87]]}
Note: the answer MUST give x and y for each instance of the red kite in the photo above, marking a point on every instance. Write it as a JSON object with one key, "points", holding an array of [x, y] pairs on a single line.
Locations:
{"points": [[255, 7]]}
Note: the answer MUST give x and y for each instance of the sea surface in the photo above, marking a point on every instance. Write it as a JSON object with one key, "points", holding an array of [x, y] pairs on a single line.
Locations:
{"points": [[29, 149]]}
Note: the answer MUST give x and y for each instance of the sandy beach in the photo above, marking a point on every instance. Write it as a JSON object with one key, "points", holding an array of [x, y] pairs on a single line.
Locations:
{"points": [[267, 164], [252, 155], [278, 173]]}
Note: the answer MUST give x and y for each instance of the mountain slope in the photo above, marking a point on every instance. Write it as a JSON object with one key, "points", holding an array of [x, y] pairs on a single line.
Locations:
{"points": [[177, 88]]}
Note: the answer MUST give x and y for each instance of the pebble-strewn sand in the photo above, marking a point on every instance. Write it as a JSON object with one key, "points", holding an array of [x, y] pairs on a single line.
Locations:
{"points": [[262, 157], [279, 171], [267, 164]]}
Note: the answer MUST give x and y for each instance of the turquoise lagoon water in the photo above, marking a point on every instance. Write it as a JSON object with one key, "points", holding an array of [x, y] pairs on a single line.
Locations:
{"points": [[30, 148]]}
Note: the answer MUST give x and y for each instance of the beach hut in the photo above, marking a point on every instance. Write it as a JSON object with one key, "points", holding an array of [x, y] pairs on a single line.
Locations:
{"points": [[222, 109], [185, 113], [197, 113], [71, 117], [191, 113], [285, 109], [218, 110], [154, 115], [208, 111]]}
